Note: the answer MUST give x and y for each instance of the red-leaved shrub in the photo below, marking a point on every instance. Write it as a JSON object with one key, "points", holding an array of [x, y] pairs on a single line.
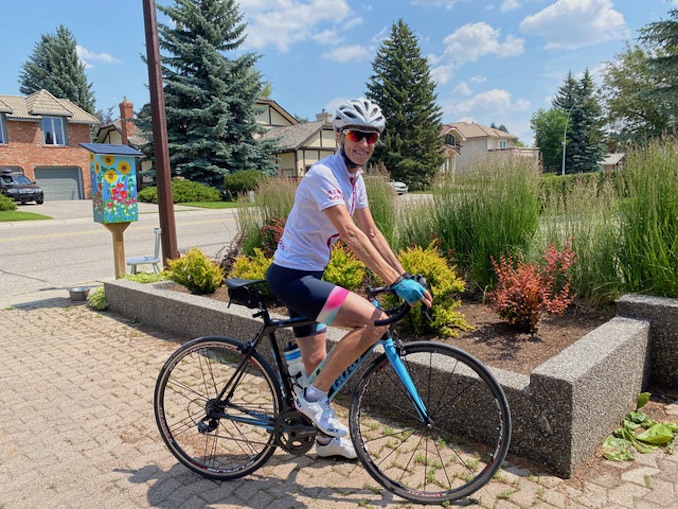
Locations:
{"points": [[270, 234], [526, 290]]}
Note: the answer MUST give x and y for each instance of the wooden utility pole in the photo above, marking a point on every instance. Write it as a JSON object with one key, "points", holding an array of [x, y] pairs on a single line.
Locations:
{"points": [[162, 166]]}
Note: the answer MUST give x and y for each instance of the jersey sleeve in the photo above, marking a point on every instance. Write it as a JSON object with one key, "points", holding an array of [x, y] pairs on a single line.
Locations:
{"points": [[323, 188]]}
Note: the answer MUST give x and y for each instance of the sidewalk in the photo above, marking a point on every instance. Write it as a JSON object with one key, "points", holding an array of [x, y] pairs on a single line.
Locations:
{"points": [[77, 431]]}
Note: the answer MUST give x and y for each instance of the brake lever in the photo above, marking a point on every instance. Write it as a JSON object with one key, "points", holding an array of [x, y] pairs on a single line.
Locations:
{"points": [[425, 313]]}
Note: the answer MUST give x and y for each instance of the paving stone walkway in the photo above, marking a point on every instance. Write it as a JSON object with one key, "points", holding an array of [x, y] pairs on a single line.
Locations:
{"points": [[77, 431]]}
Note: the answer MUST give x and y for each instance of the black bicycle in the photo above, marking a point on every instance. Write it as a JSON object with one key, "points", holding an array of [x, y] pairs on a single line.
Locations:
{"points": [[429, 422]]}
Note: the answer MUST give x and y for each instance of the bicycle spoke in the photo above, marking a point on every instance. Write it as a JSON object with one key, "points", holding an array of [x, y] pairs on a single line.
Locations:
{"points": [[220, 440], [445, 458]]}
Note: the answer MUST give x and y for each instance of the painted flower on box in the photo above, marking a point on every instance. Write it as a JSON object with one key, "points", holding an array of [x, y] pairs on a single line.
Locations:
{"points": [[114, 191]]}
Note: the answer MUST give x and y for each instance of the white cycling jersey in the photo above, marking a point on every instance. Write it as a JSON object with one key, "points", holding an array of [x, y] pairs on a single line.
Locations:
{"points": [[309, 234]]}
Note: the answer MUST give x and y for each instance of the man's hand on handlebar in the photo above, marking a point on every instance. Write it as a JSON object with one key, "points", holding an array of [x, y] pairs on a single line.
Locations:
{"points": [[411, 290]]}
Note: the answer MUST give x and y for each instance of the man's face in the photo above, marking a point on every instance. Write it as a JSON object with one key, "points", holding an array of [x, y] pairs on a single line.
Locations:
{"points": [[357, 145]]}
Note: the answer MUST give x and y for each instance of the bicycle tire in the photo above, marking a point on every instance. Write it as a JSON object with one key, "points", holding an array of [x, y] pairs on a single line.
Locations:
{"points": [[462, 449], [185, 391]]}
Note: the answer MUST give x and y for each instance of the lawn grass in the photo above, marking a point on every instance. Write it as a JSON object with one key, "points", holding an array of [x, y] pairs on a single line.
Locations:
{"points": [[18, 215], [211, 204]]}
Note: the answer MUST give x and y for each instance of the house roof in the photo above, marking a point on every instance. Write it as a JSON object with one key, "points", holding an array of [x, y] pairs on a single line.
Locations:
{"points": [[265, 101], [4, 107], [469, 130], [613, 159], [293, 137], [40, 104]]}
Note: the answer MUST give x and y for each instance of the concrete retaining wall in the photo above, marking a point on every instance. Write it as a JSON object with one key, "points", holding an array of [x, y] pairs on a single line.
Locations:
{"points": [[662, 314], [561, 412]]}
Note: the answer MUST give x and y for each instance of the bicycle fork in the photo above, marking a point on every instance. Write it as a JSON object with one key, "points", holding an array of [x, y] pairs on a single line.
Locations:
{"points": [[405, 378]]}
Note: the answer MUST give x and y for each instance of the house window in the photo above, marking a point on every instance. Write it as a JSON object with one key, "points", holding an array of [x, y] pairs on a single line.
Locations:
{"points": [[53, 131], [503, 144], [449, 139], [3, 129]]}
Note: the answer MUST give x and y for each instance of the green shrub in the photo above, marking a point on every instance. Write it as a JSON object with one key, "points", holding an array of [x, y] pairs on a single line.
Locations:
{"points": [[97, 299], [147, 277], [649, 220], [253, 267], [6, 204], [196, 272], [183, 191], [382, 200], [241, 182], [590, 216], [273, 199], [444, 286], [344, 268], [491, 209]]}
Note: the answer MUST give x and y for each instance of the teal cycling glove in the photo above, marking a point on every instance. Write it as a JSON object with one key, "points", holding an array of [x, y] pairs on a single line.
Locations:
{"points": [[409, 290]]}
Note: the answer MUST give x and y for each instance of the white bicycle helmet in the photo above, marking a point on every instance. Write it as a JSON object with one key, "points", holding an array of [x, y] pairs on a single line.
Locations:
{"points": [[360, 113]]}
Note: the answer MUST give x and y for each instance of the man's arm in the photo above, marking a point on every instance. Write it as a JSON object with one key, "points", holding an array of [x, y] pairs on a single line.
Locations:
{"points": [[365, 221], [377, 257]]}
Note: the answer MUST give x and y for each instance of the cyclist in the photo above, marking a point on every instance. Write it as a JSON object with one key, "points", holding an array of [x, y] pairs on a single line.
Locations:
{"points": [[331, 204]]}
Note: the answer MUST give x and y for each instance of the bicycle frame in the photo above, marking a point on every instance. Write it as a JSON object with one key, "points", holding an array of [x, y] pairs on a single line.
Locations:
{"points": [[269, 329]]}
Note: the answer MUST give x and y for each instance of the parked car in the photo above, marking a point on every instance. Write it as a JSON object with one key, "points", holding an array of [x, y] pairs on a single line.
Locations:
{"points": [[398, 187], [17, 186]]}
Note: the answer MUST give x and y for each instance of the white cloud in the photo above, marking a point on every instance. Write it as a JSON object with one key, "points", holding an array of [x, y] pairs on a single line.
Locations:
{"points": [[474, 40], [447, 4], [572, 24], [327, 37], [282, 23], [496, 101], [344, 53], [442, 73], [509, 5], [463, 88], [87, 57], [478, 79]]}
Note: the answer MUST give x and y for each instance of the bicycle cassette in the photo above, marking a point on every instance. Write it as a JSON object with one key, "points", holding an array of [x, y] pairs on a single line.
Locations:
{"points": [[294, 432]]}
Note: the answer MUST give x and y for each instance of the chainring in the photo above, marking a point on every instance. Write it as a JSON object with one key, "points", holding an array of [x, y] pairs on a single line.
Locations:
{"points": [[294, 432]]}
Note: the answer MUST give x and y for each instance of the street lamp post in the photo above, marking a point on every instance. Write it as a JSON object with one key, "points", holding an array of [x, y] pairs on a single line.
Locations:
{"points": [[565, 135]]}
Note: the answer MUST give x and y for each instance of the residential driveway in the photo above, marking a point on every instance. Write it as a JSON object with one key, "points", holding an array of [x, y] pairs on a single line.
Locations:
{"points": [[77, 431]]}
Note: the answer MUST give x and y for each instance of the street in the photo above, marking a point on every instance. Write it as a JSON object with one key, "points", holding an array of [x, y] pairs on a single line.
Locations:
{"points": [[45, 258]]}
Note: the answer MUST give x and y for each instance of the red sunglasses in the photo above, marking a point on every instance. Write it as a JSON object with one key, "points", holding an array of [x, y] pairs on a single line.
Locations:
{"points": [[358, 136]]}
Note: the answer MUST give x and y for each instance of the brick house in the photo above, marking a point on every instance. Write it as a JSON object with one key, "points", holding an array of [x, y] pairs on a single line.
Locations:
{"points": [[41, 135]]}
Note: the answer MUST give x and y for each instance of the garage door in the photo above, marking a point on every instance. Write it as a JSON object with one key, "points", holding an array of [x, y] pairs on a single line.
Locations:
{"points": [[60, 183]]}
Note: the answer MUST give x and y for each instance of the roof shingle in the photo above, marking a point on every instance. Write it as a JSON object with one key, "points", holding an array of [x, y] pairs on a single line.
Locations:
{"points": [[40, 104]]}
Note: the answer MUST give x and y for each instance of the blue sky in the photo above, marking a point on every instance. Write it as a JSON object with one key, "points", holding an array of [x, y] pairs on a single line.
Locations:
{"points": [[493, 60]]}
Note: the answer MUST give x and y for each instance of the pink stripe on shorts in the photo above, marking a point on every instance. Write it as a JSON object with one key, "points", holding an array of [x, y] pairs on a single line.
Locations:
{"points": [[332, 305]]}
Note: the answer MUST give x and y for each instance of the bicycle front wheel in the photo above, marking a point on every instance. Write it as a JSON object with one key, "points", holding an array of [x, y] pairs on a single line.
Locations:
{"points": [[455, 452], [223, 437]]}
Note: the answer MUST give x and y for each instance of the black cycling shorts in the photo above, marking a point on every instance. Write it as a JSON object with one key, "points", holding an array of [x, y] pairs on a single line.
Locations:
{"points": [[306, 294]]}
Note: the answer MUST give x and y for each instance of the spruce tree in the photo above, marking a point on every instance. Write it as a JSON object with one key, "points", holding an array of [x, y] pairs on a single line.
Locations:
{"points": [[401, 84], [210, 98], [584, 139], [54, 66]]}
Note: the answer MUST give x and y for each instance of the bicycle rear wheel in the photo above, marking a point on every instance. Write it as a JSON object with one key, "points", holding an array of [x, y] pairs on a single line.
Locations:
{"points": [[219, 439], [462, 447]]}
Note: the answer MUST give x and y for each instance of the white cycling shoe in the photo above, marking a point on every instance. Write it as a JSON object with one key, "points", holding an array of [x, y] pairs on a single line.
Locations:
{"points": [[336, 447], [322, 416]]}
